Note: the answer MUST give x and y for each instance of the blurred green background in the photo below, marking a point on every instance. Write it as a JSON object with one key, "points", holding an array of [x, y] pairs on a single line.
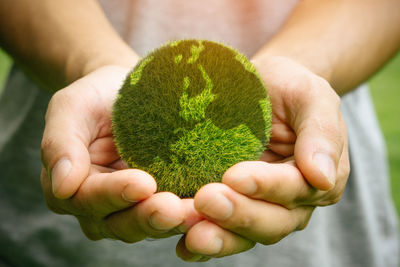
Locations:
{"points": [[385, 89], [5, 63]]}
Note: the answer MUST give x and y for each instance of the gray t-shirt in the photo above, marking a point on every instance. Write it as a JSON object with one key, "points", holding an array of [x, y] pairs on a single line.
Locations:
{"points": [[361, 230]]}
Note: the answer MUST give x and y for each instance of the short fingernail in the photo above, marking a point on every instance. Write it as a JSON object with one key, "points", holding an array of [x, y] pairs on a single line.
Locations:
{"points": [[326, 165], [161, 222], [218, 207], [245, 185], [60, 171], [215, 246], [128, 194]]}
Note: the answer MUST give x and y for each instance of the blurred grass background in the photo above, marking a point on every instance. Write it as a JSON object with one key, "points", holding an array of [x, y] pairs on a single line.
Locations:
{"points": [[385, 89], [5, 64]]}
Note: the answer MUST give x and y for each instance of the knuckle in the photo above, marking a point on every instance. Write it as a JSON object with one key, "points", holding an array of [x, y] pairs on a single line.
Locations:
{"points": [[54, 207], [82, 205], [113, 229], [302, 225], [292, 88], [319, 83], [277, 234], [270, 240], [90, 229], [285, 231], [59, 96], [336, 199], [241, 223], [47, 143], [304, 221], [330, 199], [92, 237], [55, 101], [62, 99], [306, 196]]}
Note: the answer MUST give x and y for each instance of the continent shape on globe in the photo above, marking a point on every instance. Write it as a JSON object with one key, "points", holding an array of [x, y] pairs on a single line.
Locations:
{"points": [[190, 110]]}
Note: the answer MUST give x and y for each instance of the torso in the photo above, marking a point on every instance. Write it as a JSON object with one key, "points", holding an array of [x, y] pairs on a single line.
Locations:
{"points": [[245, 25]]}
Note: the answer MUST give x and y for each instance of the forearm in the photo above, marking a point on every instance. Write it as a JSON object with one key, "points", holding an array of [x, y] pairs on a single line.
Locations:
{"points": [[57, 42], [344, 41]]}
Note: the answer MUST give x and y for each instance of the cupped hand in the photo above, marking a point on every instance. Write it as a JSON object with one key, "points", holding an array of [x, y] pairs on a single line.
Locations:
{"points": [[83, 175], [306, 165]]}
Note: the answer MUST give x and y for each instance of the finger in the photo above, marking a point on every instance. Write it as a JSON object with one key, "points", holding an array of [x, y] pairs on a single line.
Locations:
{"points": [[319, 127], [280, 183], [156, 217], [257, 220], [76, 116], [103, 151], [64, 144], [269, 156], [281, 132], [333, 196], [183, 253], [191, 216], [104, 193], [208, 239], [282, 149], [54, 204], [119, 165]]}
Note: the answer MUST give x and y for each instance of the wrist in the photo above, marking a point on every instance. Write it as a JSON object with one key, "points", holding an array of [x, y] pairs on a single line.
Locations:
{"points": [[270, 55], [265, 60], [81, 63]]}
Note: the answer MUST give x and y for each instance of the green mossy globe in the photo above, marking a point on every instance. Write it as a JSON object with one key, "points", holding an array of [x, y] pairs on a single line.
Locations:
{"points": [[188, 111]]}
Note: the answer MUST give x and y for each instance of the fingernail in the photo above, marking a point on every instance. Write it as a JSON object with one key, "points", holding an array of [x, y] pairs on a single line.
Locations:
{"points": [[161, 222], [127, 194], [245, 185], [60, 171], [326, 165], [215, 246], [218, 207]]}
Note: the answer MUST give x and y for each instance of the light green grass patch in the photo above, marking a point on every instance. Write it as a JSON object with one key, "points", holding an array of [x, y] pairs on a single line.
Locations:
{"points": [[5, 64]]}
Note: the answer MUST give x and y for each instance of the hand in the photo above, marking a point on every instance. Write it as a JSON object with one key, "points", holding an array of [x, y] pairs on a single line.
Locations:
{"points": [[84, 176], [305, 166]]}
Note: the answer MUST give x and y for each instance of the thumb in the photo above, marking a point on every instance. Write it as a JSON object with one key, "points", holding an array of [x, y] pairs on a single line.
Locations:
{"points": [[64, 145], [320, 131]]}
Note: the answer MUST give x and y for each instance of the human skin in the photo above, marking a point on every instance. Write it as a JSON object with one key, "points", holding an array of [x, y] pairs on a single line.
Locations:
{"points": [[306, 165]]}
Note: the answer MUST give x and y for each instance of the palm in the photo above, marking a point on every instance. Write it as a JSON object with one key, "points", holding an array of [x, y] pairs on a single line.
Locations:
{"points": [[107, 201], [99, 97]]}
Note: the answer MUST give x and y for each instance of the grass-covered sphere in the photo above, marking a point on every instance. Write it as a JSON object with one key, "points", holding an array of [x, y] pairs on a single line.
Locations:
{"points": [[188, 111]]}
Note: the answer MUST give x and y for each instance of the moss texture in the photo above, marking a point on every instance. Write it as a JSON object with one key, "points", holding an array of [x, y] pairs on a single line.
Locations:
{"points": [[188, 111]]}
